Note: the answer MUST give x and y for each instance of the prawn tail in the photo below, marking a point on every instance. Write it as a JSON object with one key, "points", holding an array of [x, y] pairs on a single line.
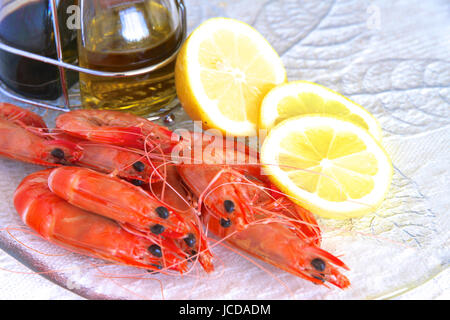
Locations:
{"points": [[328, 256]]}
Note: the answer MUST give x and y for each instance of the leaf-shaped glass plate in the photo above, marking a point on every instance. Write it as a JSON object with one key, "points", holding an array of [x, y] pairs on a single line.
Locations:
{"points": [[391, 59]]}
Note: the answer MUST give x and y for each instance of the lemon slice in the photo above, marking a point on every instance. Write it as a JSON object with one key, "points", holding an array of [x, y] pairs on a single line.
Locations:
{"points": [[223, 71], [302, 97], [330, 166]]}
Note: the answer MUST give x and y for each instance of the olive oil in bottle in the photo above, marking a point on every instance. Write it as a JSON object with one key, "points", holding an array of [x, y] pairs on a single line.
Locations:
{"points": [[118, 35]]}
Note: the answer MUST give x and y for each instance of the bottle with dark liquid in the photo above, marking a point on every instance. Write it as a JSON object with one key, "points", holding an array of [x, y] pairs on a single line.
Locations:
{"points": [[123, 35], [27, 25]]}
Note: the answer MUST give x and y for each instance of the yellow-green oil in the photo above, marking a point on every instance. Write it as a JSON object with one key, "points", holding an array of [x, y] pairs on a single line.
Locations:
{"points": [[129, 37]]}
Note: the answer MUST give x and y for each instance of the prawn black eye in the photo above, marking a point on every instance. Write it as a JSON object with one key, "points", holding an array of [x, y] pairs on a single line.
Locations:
{"points": [[225, 222], [137, 182], [190, 240], [157, 229], [139, 166], [318, 264], [155, 250], [58, 153], [162, 212], [229, 206]]}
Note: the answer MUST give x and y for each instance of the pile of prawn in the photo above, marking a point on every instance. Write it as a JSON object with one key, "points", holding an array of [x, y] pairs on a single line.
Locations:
{"points": [[114, 190]]}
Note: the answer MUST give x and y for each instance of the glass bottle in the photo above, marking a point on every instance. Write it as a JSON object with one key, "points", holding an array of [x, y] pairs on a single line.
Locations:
{"points": [[27, 25], [123, 35]]}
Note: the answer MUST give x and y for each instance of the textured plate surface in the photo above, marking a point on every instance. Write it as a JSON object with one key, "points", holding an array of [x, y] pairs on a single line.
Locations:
{"points": [[392, 58]]}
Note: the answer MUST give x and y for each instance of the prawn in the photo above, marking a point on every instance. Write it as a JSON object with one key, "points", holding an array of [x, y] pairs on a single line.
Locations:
{"points": [[87, 233], [171, 192], [132, 207], [25, 136], [21, 139], [232, 187], [115, 127]]}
